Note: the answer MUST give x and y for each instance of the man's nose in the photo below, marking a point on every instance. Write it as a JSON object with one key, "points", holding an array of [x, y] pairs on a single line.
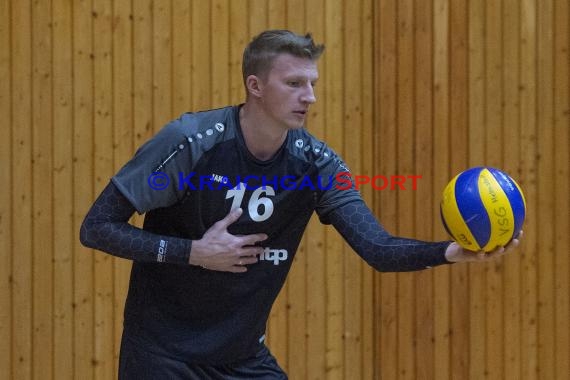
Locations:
{"points": [[309, 95]]}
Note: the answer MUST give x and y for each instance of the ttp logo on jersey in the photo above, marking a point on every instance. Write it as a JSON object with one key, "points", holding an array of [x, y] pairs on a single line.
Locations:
{"points": [[275, 255]]}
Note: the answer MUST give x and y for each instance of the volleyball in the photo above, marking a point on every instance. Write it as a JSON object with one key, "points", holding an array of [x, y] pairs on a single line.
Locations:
{"points": [[483, 208]]}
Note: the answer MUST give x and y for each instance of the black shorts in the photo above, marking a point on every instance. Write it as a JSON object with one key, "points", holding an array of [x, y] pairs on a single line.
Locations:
{"points": [[135, 363]]}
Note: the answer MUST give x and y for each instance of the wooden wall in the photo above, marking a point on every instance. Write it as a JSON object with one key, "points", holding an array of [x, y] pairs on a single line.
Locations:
{"points": [[409, 87]]}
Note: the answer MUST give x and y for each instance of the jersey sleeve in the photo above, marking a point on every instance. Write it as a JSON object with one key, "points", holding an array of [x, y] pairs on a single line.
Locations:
{"points": [[338, 186], [150, 179], [381, 250], [106, 228]]}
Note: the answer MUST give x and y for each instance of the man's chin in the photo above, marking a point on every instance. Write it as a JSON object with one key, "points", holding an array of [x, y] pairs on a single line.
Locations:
{"points": [[296, 125]]}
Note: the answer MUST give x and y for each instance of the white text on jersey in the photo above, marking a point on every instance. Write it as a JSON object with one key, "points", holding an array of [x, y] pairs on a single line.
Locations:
{"points": [[275, 255], [218, 178]]}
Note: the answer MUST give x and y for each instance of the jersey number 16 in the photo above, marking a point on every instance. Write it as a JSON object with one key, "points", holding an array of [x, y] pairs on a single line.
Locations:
{"points": [[255, 201]]}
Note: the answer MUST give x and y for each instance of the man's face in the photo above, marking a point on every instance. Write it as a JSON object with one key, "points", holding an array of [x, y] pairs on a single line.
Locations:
{"points": [[287, 90]]}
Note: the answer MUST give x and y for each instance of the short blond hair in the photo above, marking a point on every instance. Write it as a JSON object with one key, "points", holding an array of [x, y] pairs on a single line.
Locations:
{"points": [[259, 54]]}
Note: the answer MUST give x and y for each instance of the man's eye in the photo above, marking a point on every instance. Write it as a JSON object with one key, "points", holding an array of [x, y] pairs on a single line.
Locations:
{"points": [[293, 83]]}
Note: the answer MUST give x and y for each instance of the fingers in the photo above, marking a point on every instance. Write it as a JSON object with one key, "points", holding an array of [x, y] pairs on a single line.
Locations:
{"points": [[232, 252], [500, 251], [509, 247], [252, 239], [516, 240], [238, 269], [239, 266], [231, 218], [481, 255], [455, 253], [246, 260], [249, 251], [513, 244], [233, 262]]}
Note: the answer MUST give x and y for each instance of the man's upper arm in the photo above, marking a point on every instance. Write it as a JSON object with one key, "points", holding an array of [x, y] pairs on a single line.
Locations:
{"points": [[341, 189], [151, 178]]}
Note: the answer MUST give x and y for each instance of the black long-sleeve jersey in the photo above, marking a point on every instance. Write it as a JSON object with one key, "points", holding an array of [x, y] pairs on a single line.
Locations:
{"points": [[189, 176]]}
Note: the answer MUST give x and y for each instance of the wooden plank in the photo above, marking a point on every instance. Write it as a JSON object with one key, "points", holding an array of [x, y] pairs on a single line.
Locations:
{"points": [[297, 279], [368, 159], [386, 48], [142, 83], [162, 62], [142, 72], [441, 176], [220, 25], [141, 107], [511, 163], [103, 360], [6, 195], [63, 233], [477, 272], [257, 16], [22, 195], [296, 14], [42, 207], [239, 38], [493, 157], [201, 56], [123, 136], [424, 196], [352, 136], [545, 200], [182, 55], [315, 235], [82, 187], [333, 135], [561, 184], [405, 166], [458, 119], [529, 312], [277, 14]]}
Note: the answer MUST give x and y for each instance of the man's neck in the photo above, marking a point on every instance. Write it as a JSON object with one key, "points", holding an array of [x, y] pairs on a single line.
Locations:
{"points": [[262, 138]]}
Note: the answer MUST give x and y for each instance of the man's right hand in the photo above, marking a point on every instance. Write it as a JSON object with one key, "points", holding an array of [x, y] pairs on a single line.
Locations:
{"points": [[219, 250]]}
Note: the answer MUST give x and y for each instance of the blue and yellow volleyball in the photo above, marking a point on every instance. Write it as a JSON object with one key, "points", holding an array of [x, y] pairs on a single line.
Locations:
{"points": [[483, 208]]}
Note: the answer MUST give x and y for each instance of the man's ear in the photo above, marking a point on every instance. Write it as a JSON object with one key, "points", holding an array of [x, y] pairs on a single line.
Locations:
{"points": [[254, 85]]}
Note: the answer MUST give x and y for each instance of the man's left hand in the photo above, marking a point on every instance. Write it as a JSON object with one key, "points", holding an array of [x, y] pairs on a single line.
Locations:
{"points": [[455, 253]]}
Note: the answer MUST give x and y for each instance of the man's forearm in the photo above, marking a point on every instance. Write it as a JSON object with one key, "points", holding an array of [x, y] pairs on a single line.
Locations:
{"points": [[106, 228], [384, 252]]}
